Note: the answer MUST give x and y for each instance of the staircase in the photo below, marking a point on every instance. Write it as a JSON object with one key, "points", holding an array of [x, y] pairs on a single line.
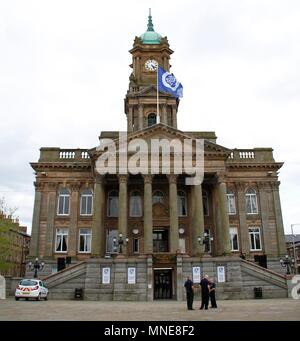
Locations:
{"points": [[62, 284]]}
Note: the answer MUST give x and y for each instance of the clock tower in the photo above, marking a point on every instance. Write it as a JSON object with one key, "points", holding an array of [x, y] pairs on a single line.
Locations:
{"points": [[149, 50]]}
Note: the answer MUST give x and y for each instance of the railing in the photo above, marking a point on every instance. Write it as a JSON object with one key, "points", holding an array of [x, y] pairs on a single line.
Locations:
{"points": [[58, 155], [251, 155]]}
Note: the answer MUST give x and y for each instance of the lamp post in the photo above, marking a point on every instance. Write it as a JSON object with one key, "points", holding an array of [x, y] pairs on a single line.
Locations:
{"points": [[36, 266], [287, 263], [120, 242]]}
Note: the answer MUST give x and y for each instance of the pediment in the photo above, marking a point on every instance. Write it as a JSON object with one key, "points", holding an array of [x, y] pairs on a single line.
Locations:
{"points": [[162, 131], [150, 91]]}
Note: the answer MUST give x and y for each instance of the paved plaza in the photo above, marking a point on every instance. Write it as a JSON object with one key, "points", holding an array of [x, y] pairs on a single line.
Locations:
{"points": [[235, 310]]}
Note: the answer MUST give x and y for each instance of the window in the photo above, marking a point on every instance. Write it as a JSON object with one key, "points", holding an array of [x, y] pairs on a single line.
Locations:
{"points": [[135, 204], [207, 240], [234, 239], [86, 202], [255, 241], [61, 240], [85, 240], [231, 202], [160, 241], [158, 197], [151, 120], [205, 203], [251, 202], [110, 246], [113, 204], [135, 245], [63, 207], [181, 203]]}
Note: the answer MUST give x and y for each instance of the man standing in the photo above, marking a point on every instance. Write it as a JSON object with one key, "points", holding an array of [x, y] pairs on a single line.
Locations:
{"points": [[204, 292], [189, 288], [212, 293]]}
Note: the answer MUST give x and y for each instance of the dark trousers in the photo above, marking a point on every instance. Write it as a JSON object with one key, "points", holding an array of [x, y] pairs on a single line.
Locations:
{"points": [[204, 300], [189, 300], [213, 299]]}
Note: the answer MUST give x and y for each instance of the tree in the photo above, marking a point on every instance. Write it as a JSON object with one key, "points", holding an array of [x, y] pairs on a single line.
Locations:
{"points": [[6, 224]]}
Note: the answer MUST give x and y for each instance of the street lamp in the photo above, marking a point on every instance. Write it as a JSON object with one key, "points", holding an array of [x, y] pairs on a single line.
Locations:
{"points": [[120, 242], [36, 266], [287, 263]]}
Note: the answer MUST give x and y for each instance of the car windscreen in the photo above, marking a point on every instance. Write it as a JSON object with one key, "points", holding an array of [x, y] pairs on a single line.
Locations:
{"points": [[28, 282]]}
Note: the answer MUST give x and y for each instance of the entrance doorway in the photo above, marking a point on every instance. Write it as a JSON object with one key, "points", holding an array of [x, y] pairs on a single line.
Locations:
{"points": [[162, 284]]}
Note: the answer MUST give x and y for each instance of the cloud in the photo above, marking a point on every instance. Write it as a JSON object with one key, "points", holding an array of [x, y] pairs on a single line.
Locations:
{"points": [[64, 71]]}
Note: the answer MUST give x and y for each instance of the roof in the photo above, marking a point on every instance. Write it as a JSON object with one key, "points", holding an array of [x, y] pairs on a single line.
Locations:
{"points": [[289, 238]]}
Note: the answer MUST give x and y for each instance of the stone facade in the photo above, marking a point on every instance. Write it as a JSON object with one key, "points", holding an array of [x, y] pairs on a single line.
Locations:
{"points": [[155, 223]]}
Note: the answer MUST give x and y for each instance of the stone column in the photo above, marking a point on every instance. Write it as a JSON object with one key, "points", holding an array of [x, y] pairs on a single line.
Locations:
{"points": [[197, 220], [164, 118], [34, 242], [264, 212], [98, 231], [278, 218], [130, 119], [149, 278], [174, 238], [244, 233], [51, 214], [148, 220], [222, 193], [122, 227], [141, 116], [174, 117], [73, 230]]}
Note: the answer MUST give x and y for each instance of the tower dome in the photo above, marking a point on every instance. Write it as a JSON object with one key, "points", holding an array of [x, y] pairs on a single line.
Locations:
{"points": [[150, 36]]}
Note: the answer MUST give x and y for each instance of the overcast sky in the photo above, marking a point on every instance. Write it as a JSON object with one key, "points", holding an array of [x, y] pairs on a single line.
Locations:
{"points": [[64, 69]]}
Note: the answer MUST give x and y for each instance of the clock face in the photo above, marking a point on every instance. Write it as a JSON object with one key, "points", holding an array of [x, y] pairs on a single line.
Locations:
{"points": [[151, 65]]}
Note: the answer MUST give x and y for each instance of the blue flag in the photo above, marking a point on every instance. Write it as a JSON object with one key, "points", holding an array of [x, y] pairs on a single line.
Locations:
{"points": [[168, 83]]}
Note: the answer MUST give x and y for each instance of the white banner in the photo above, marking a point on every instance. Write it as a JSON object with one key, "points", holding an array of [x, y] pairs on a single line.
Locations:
{"points": [[131, 275], [221, 274], [196, 274], [105, 275]]}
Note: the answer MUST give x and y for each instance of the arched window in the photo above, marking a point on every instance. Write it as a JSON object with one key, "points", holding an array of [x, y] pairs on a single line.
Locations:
{"points": [[113, 204], [205, 203], [135, 203], [151, 119], [181, 203], [158, 197], [251, 201], [63, 207], [231, 208], [86, 202]]}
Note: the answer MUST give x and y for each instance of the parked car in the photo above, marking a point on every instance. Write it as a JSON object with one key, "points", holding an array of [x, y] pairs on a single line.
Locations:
{"points": [[31, 288]]}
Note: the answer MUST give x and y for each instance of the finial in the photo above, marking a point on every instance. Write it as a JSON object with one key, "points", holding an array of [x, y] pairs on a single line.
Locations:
{"points": [[150, 24]]}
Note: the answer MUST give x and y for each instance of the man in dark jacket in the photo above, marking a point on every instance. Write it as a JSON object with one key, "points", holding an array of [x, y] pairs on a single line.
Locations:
{"points": [[212, 293], [204, 292], [189, 288]]}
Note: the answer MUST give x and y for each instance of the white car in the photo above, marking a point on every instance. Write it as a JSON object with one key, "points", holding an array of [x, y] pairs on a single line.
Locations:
{"points": [[31, 288]]}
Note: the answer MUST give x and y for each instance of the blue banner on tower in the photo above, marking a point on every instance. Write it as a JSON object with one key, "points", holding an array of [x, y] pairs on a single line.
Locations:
{"points": [[168, 83]]}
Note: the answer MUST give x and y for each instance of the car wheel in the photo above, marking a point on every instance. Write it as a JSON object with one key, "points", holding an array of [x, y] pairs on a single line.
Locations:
{"points": [[46, 298], [26, 298], [39, 297], [17, 298]]}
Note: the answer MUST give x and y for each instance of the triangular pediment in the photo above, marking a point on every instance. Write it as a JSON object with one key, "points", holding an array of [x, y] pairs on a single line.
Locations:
{"points": [[150, 91], [163, 131]]}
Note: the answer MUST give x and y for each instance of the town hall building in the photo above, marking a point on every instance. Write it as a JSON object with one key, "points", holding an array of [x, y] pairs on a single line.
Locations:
{"points": [[128, 236]]}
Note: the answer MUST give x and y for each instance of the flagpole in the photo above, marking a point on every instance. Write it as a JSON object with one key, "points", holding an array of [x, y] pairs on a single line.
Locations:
{"points": [[157, 100]]}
